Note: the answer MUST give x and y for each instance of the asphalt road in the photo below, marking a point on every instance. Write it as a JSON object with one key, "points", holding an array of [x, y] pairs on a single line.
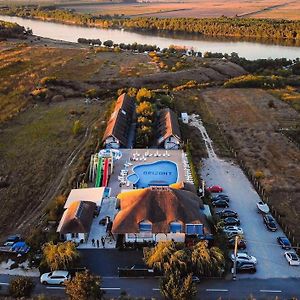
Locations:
{"points": [[208, 289]]}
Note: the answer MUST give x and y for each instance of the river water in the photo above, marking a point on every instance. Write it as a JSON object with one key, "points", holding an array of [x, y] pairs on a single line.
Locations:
{"points": [[250, 50]]}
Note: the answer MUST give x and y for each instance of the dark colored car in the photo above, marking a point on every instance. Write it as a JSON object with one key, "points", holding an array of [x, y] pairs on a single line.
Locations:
{"points": [[270, 222], [241, 244], [284, 242], [231, 221], [12, 240], [220, 196], [220, 203], [225, 213], [247, 267]]}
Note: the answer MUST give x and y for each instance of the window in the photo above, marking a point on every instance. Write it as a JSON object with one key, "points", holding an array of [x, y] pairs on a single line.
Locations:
{"points": [[145, 226], [175, 227], [192, 229]]}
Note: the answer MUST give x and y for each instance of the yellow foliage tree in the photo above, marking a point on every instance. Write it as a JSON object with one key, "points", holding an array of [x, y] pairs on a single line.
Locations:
{"points": [[143, 94], [61, 255]]}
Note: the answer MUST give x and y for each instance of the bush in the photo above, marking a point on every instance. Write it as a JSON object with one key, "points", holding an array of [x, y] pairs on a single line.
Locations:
{"points": [[252, 81], [48, 80], [76, 127], [92, 93], [21, 287], [143, 94], [259, 174], [145, 109]]}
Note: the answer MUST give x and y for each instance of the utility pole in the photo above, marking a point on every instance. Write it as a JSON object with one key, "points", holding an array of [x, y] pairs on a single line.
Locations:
{"points": [[235, 254]]}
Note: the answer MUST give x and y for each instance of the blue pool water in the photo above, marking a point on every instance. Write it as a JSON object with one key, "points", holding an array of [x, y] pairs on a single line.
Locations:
{"points": [[158, 173]]}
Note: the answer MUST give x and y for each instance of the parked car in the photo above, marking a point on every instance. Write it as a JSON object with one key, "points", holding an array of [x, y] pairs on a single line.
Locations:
{"points": [[196, 279], [270, 222], [240, 245], [292, 258], [242, 266], [215, 189], [220, 196], [227, 213], [244, 257], [284, 242], [12, 240], [55, 277], [220, 203], [232, 235], [231, 221], [232, 228]]}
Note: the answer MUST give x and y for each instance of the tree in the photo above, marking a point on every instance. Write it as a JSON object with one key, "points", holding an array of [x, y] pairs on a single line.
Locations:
{"points": [[21, 287], [76, 127], [108, 43], [175, 287], [84, 286], [143, 94], [61, 255], [145, 109]]}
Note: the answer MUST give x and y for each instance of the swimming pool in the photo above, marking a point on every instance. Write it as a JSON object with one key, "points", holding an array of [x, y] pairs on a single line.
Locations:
{"points": [[160, 173]]}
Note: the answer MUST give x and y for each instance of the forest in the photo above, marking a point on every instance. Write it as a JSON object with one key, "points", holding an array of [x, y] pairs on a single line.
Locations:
{"points": [[224, 26]]}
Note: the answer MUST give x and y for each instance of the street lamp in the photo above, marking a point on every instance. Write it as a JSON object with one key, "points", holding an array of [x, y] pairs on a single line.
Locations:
{"points": [[235, 254]]}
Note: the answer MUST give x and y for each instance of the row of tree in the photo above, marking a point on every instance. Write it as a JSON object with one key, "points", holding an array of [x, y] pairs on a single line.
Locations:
{"points": [[224, 26], [179, 263], [12, 30]]}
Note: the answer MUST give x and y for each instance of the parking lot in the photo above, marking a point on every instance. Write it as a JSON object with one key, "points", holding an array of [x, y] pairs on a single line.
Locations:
{"points": [[261, 242]]}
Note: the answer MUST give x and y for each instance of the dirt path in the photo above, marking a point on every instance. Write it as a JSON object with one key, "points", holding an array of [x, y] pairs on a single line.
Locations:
{"points": [[268, 8]]}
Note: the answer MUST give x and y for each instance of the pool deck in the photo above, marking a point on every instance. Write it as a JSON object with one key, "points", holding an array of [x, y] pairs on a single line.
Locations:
{"points": [[154, 155]]}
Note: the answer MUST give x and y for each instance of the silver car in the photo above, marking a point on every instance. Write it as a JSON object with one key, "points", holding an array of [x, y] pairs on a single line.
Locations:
{"points": [[55, 277]]}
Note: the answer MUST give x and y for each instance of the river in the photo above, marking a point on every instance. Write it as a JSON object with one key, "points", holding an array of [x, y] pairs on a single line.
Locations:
{"points": [[250, 50]]}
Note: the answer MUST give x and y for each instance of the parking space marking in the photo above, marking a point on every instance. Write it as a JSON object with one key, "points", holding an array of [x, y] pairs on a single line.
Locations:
{"points": [[110, 288], [55, 287], [270, 291], [4, 283], [155, 289], [216, 290]]}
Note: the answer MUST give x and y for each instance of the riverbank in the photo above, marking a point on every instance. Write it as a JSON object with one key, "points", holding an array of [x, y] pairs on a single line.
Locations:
{"points": [[249, 50]]}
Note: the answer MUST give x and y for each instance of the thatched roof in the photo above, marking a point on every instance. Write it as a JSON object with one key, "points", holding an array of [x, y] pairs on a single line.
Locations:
{"points": [[160, 206], [77, 218], [120, 120], [168, 125]]}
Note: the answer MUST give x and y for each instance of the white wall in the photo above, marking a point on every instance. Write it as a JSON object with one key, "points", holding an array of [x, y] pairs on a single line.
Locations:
{"points": [[112, 142], [81, 236], [172, 143], [140, 237]]}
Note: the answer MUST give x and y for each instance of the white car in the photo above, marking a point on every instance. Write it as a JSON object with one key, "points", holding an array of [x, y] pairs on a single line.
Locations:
{"points": [[244, 257], [233, 229], [55, 277], [292, 258]]}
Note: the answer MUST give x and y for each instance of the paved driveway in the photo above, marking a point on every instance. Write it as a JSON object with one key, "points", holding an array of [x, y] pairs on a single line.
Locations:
{"points": [[105, 262], [260, 242]]}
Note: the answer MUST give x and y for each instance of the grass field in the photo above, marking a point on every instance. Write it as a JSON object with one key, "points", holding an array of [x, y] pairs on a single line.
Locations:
{"points": [[36, 137]]}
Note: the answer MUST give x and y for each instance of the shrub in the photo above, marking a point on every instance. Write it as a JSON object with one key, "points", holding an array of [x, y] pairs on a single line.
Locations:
{"points": [[259, 174], [92, 93], [21, 287], [39, 93], [143, 94], [145, 109], [108, 43], [252, 81], [48, 80], [76, 127]]}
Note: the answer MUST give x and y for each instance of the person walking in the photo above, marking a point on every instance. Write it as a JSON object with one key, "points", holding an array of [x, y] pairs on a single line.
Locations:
{"points": [[98, 243], [103, 241], [93, 242]]}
